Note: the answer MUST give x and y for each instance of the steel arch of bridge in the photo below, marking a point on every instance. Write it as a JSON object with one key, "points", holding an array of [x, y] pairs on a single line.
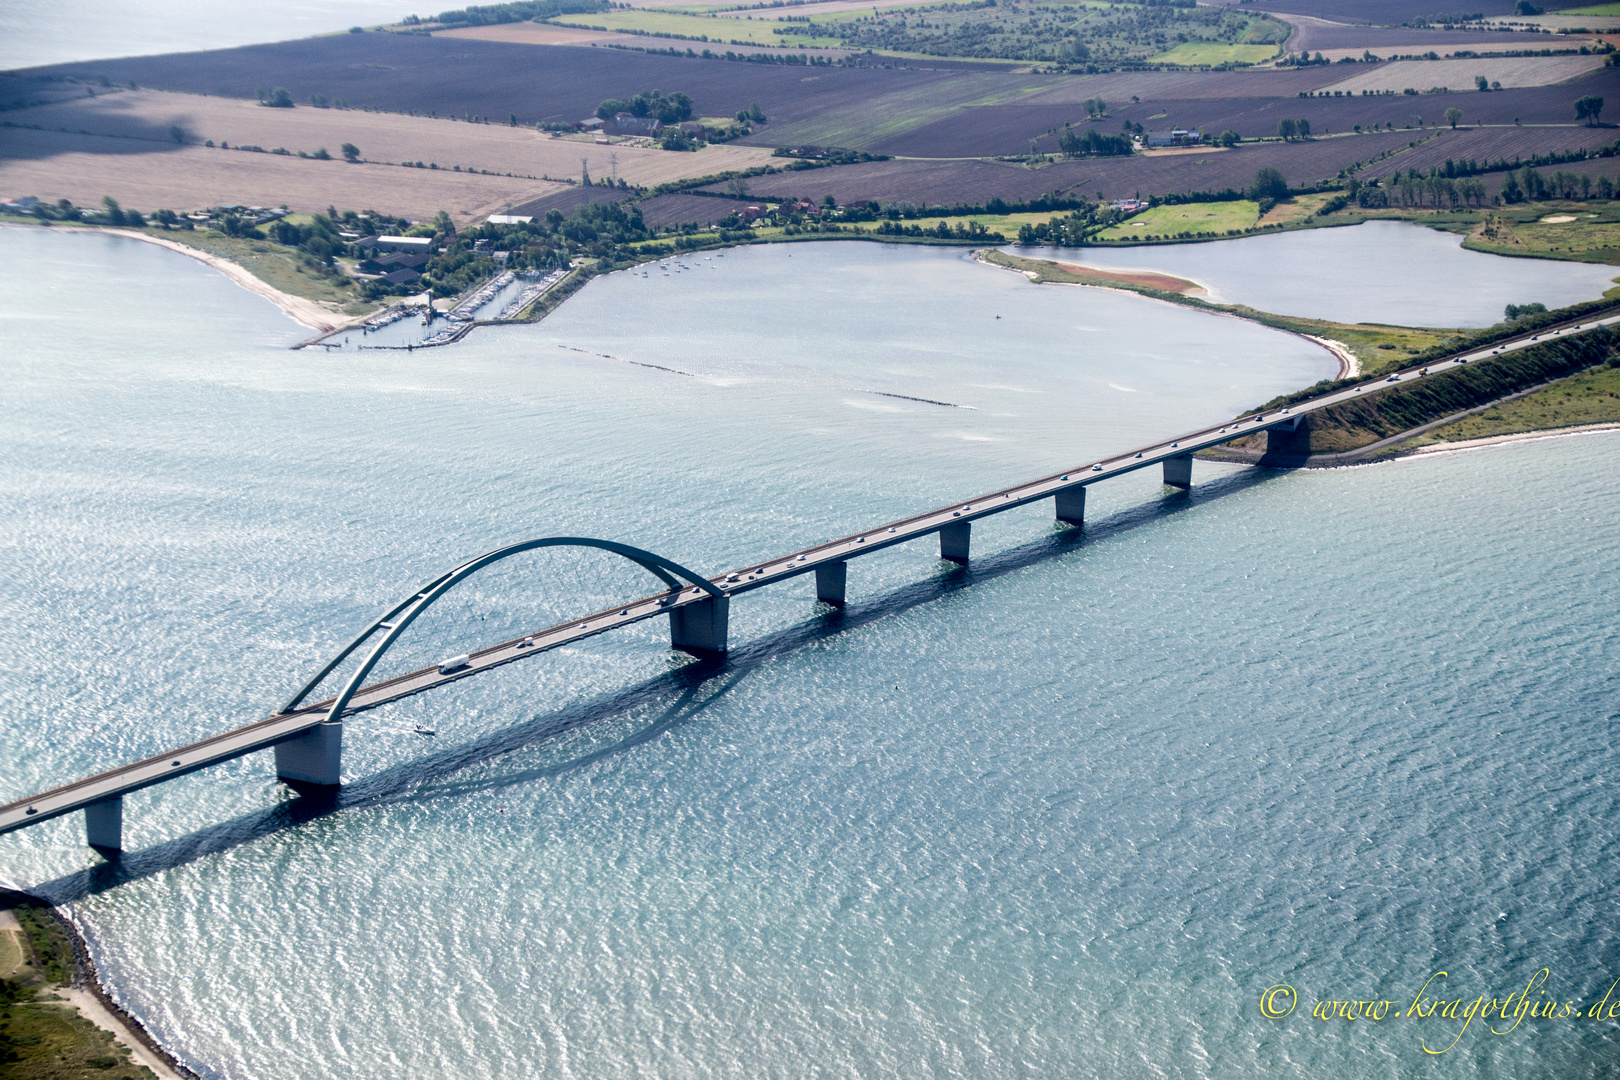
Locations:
{"points": [[401, 615]]}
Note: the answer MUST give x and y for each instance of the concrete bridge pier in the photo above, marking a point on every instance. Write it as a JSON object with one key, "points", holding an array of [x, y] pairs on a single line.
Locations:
{"points": [[830, 580], [1071, 505], [104, 824], [1178, 471], [953, 541], [1289, 439], [314, 756], [700, 628]]}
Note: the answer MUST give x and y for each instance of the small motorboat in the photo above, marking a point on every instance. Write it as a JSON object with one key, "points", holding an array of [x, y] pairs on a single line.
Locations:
{"points": [[418, 729]]}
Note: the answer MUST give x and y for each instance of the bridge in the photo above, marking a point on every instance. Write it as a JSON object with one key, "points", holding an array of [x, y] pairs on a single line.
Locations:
{"points": [[307, 737]]}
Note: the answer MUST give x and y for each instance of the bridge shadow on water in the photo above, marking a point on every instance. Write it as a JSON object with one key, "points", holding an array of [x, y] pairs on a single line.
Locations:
{"points": [[695, 687]]}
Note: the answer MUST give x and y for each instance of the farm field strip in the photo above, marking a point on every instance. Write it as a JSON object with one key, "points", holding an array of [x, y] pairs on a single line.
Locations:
{"points": [[1321, 35], [382, 137], [863, 122], [949, 183], [529, 33], [1510, 71], [1491, 144], [53, 165], [1190, 217], [1211, 53], [694, 28], [421, 75]]}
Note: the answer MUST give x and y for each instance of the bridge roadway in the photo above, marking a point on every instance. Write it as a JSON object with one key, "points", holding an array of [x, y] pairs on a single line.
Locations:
{"points": [[827, 561]]}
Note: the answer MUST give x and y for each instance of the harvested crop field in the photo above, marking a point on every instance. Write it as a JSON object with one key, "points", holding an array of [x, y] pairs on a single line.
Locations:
{"points": [[529, 33], [751, 33], [1383, 12], [1320, 35], [387, 138], [147, 176], [1006, 128], [1496, 144], [950, 183], [1120, 86], [568, 198], [411, 73], [1510, 71], [679, 209]]}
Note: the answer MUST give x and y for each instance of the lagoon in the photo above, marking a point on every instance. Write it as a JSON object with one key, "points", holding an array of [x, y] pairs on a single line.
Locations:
{"points": [[1389, 272], [1067, 812]]}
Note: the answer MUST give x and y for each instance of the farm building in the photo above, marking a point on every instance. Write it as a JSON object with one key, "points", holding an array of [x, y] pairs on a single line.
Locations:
{"points": [[624, 123], [1176, 137], [398, 243], [391, 261]]}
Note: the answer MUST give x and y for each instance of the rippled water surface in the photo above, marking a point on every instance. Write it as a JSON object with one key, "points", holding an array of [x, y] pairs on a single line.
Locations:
{"points": [[1378, 271], [1065, 813]]}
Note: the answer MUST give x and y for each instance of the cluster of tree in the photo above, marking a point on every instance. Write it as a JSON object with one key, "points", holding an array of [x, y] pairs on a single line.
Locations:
{"points": [[827, 155], [319, 240], [1064, 35], [1528, 184], [1290, 130], [276, 97], [1268, 183], [1588, 107], [520, 11], [671, 109], [1072, 229], [1093, 143], [1515, 312], [1413, 190], [942, 231], [789, 58], [751, 115]]}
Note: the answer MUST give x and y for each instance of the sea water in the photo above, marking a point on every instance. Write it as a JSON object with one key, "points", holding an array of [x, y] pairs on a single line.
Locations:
{"points": [[1067, 812], [37, 32]]}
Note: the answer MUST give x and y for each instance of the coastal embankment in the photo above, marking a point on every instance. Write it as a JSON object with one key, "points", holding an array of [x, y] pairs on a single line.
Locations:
{"points": [[1418, 416]]}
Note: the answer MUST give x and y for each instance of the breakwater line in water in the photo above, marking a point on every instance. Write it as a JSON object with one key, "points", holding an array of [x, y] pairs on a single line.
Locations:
{"points": [[308, 739]]}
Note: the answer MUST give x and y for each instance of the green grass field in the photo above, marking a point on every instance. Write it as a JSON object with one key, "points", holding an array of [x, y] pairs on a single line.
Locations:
{"points": [[1217, 217], [11, 952], [1589, 398], [1200, 53], [1611, 10], [1583, 232], [696, 27]]}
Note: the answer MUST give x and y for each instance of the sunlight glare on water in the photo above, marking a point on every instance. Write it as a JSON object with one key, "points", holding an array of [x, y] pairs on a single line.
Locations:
{"points": [[1065, 813]]}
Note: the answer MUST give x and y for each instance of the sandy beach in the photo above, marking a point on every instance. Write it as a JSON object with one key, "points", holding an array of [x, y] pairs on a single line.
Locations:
{"points": [[308, 312], [1349, 366], [1517, 436]]}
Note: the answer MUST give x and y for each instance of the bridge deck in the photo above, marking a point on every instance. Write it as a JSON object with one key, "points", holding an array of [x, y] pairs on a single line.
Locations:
{"points": [[272, 730]]}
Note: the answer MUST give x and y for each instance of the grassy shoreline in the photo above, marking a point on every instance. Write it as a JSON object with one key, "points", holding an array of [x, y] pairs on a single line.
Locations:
{"points": [[56, 1020]]}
